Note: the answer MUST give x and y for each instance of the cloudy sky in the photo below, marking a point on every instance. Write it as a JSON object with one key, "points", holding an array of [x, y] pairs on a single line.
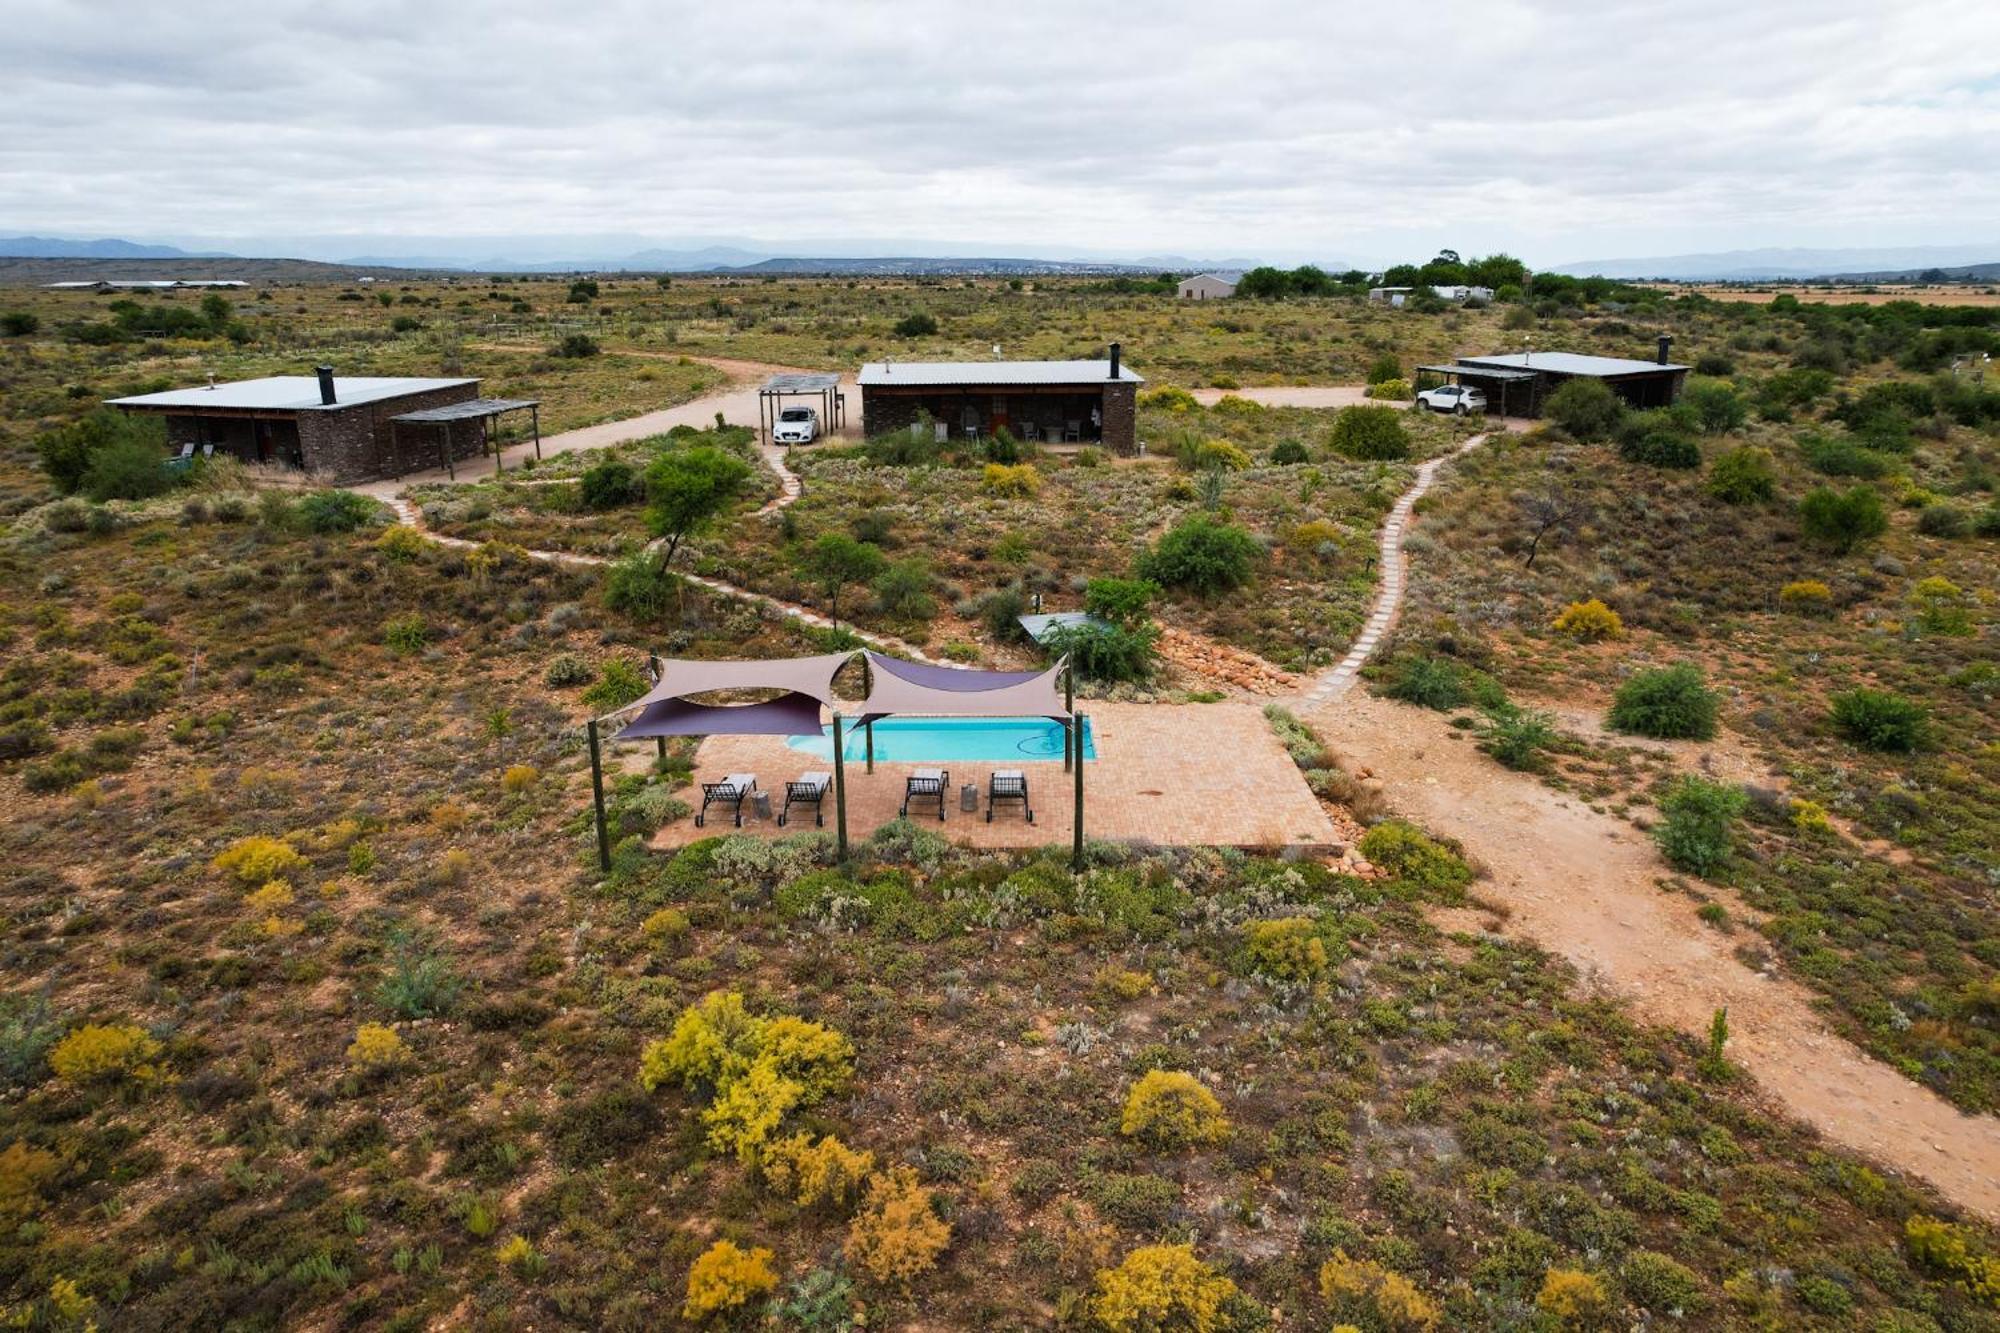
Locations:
{"points": [[1558, 130]]}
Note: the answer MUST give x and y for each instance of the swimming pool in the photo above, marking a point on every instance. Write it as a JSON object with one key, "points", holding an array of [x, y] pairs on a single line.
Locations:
{"points": [[917, 740]]}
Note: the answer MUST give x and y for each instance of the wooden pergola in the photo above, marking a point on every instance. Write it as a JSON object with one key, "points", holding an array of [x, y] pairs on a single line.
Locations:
{"points": [[483, 410]]}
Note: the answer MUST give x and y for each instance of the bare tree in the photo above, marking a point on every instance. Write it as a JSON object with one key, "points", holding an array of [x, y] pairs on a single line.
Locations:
{"points": [[1554, 507]]}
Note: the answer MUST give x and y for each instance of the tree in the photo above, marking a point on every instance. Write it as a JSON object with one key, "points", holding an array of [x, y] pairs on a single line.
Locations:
{"points": [[1266, 283], [903, 590], [836, 560], [1555, 506], [215, 308], [1202, 555], [1843, 520], [67, 452], [1586, 408], [1370, 433], [686, 491]]}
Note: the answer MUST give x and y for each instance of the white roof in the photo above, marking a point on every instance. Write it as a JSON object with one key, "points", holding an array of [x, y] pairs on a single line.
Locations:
{"points": [[1570, 363], [923, 373], [149, 283], [291, 393]]}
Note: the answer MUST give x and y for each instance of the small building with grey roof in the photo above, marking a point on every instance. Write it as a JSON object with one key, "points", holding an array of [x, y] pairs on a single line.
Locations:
{"points": [[1209, 286], [1077, 402], [1518, 383], [341, 427]]}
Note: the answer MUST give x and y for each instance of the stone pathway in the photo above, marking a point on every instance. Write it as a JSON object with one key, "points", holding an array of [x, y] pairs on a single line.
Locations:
{"points": [[1389, 598]]}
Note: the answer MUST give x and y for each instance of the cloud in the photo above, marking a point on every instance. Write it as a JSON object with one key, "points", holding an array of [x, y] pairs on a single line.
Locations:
{"points": [[1554, 127]]}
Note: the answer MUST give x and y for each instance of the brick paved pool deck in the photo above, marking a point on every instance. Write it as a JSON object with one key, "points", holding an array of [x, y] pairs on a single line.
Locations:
{"points": [[1170, 774]]}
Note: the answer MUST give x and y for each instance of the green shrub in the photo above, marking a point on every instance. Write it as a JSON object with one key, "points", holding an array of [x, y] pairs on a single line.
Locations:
{"points": [[1105, 652], [1842, 520], [1408, 853], [126, 470], [1743, 476], [67, 453], [1662, 1284], [419, 983], [1517, 736], [1440, 683], [1395, 391], [639, 586], [1880, 720], [1945, 520], [1657, 442], [335, 511], [568, 669], [1698, 816], [1370, 433], [1383, 368], [19, 323], [916, 325], [1669, 703], [1286, 453], [576, 347], [1716, 405], [1587, 409], [618, 685], [1843, 457], [1286, 949], [406, 634], [1202, 555], [1120, 601], [1167, 1110], [609, 485], [903, 590]]}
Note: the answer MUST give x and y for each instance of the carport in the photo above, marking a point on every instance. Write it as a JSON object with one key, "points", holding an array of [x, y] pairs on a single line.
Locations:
{"points": [[1511, 391], [483, 410], [826, 388]]}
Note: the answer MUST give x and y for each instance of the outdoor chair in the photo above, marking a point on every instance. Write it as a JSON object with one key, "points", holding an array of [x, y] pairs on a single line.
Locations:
{"points": [[1072, 432], [926, 784], [810, 789], [732, 791], [1008, 784]]}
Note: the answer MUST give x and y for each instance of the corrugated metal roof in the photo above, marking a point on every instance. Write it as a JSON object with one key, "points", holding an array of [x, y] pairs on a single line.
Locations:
{"points": [[1039, 627], [468, 410], [290, 393], [793, 382], [928, 373], [1485, 372], [1571, 363]]}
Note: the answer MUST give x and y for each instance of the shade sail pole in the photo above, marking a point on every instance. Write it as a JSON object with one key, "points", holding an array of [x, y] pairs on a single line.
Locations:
{"points": [[597, 801], [1076, 834], [1070, 741], [839, 793], [868, 723]]}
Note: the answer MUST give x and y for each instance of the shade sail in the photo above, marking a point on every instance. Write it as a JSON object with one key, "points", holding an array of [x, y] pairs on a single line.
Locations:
{"points": [[810, 676], [933, 691], [794, 714]]}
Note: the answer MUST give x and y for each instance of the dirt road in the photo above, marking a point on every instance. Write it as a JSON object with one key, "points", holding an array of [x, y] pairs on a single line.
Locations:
{"points": [[1584, 886]]}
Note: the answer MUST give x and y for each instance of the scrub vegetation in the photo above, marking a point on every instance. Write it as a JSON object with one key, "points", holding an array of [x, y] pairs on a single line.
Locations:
{"points": [[315, 1010]]}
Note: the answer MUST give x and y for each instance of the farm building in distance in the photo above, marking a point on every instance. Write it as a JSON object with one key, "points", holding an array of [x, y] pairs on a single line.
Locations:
{"points": [[1209, 286], [1055, 401], [142, 284], [1518, 383], [350, 428]]}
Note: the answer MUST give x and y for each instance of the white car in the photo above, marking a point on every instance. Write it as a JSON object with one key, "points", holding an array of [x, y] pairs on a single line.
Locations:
{"points": [[1453, 398], [796, 425]]}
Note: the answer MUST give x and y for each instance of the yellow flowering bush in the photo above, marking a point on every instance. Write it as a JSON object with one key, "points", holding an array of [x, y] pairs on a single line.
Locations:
{"points": [[1944, 1248], [1573, 1296], [727, 1277], [1590, 622], [1169, 1109], [259, 860], [827, 1173], [1286, 949], [1807, 597], [897, 1234], [1161, 1287], [1810, 817], [376, 1046], [519, 777], [106, 1054], [1019, 481], [760, 1068], [1366, 1289], [669, 923]]}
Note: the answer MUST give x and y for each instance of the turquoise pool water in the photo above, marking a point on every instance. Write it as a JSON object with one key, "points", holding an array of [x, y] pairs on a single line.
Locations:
{"points": [[924, 740]]}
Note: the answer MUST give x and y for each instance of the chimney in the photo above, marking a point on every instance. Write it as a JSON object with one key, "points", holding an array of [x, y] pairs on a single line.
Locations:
{"points": [[1114, 360], [1666, 341], [326, 386]]}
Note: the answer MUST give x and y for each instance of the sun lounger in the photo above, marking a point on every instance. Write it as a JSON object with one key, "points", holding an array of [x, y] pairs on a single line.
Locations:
{"points": [[810, 789], [732, 791], [926, 784], [1008, 784]]}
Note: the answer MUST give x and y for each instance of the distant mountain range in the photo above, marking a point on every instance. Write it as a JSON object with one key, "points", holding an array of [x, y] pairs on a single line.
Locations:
{"points": [[610, 254], [52, 247], [1786, 264], [1929, 273]]}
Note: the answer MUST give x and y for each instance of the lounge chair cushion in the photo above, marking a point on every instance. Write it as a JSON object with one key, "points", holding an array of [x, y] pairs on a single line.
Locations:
{"points": [[817, 780]]}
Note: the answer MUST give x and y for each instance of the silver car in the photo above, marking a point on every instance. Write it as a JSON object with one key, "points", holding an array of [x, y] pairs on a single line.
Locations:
{"points": [[796, 425]]}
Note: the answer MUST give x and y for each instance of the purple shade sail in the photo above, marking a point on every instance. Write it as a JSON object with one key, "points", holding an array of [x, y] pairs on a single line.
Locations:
{"points": [[792, 714]]}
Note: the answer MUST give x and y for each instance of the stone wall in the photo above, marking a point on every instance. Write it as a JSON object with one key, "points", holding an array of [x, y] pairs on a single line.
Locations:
{"points": [[1121, 416], [358, 442]]}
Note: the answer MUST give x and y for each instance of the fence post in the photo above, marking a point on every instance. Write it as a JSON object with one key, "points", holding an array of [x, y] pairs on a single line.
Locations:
{"points": [[597, 799]]}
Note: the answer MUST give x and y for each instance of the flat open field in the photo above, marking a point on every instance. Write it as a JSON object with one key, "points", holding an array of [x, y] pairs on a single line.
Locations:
{"points": [[1940, 294]]}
